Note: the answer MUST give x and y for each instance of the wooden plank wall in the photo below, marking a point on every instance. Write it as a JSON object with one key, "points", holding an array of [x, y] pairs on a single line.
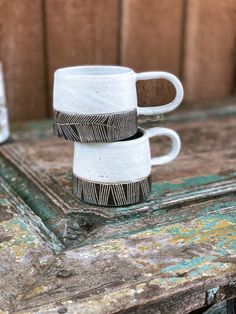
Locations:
{"points": [[81, 32], [151, 39], [210, 49], [194, 39], [22, 54]]}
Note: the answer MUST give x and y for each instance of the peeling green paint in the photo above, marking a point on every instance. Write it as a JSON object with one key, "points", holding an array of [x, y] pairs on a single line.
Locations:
{"points": [[48, 213], [22, 237], [21, 223], [186, 264], [187, 183], [24, 188]]}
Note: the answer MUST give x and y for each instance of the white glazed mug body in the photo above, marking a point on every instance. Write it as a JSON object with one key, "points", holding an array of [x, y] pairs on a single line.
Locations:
{"points": [[94, 90], [119, 173], [119, 162], [99, 103]]}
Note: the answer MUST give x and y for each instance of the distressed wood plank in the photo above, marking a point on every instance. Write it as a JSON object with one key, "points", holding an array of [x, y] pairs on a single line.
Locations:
{"points": [[209, 53], [86, 224], [170, 255], [169, 269], [151, 40], [193, 177], [81, 32], [22, 54], [25, 244]]}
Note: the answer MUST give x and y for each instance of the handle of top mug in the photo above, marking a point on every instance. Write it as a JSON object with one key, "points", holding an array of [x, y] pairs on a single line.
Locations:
{"points": [[175, 149], [171, 105]]}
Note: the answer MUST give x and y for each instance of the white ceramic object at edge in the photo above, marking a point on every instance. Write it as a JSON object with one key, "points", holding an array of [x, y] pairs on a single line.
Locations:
{"points": [[123, 161], [106, 89], [4, 124]]}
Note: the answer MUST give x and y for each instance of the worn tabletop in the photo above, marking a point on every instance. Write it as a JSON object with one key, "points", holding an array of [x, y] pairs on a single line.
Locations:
{"points": [[172, 254]]}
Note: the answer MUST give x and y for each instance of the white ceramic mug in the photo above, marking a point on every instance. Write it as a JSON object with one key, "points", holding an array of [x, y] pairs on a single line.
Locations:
{"points": [[99, 103], [119, 173]]}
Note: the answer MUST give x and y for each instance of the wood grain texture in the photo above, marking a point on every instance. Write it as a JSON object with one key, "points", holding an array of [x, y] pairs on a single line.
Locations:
{"points": [[210, 49], [167, 269], [140, 271], [24, 243], [22, 54], [81, 32], [151, 40]]}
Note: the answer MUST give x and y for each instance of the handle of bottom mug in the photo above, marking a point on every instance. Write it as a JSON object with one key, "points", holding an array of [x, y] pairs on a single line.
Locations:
{"points": [[175, 149]]}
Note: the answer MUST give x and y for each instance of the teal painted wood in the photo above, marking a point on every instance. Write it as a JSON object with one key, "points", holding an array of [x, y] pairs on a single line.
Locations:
{"points": [[15, 211], [79, 228], [183, 259], [25, 244]]}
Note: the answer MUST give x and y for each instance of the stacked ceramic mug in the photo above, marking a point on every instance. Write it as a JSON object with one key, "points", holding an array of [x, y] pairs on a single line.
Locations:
{"points": [[96, 108]]}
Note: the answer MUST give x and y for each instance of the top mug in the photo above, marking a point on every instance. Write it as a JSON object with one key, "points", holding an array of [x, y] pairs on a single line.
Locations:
{"points": [[99, 103]]}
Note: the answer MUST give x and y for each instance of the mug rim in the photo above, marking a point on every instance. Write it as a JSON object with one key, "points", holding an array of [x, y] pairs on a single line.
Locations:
{"points": [[68, 71], [135, 140], [120, 143]]}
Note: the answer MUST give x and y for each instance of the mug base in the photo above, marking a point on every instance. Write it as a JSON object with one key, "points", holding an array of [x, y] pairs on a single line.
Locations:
{"points": [[110, 127], [110, 194]]}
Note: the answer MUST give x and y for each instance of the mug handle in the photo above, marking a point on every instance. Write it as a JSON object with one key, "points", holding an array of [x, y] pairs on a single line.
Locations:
{"points": [[175, 149], [171, 105]]}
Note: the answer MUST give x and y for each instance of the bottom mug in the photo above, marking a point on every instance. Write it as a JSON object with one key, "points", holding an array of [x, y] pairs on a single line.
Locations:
{"points": [[119, 173]]}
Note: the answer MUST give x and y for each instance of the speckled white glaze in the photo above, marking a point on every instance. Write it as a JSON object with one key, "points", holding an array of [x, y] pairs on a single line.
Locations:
{"points": [[123, 161], [105, 89]]}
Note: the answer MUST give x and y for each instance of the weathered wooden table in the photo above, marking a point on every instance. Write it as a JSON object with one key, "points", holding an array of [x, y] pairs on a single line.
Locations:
{"points": [[172, 254]]}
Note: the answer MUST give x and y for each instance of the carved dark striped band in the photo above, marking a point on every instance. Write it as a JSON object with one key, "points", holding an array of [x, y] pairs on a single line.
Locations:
{"points": [[107, 194], [95, 128]]}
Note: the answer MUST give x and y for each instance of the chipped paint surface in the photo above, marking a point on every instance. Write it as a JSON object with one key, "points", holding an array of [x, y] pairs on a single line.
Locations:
{"points": [[211, 294], [141, 249], [68, 227], [21, 238], [179, 245], [164, 257], [23, 241], [206, 241], [15, 214], [188, 182]]}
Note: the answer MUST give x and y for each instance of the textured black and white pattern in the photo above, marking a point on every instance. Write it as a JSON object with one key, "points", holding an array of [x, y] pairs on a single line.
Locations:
{"points": [[95, 128], [107, 194]]}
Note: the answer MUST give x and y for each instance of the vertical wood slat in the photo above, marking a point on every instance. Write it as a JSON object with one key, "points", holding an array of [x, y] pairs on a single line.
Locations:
{"points": [[85, 32], [151, 40], [22, 54], [81, 32], [210, 49]]}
